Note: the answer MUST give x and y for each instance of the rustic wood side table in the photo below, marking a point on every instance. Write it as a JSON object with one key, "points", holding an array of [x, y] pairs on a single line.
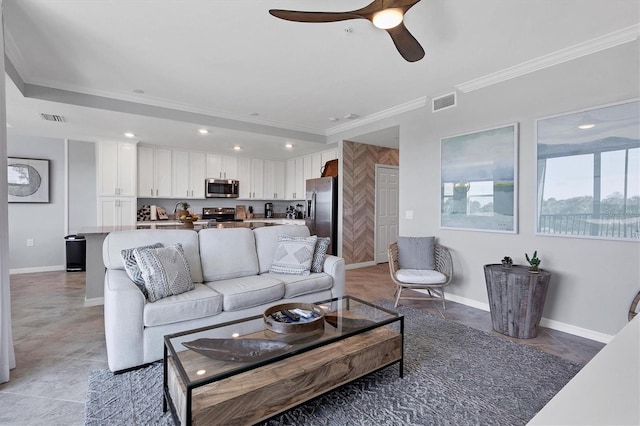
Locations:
{"points": [[516, 299]]}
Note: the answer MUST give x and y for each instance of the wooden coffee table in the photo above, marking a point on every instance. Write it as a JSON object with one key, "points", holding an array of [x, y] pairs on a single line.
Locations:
{"points": [[201, 390]]}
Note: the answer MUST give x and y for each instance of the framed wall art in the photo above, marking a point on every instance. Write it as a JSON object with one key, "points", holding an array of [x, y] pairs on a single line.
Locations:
{"points": [[589, 173], [478, 178], [28, 180]]}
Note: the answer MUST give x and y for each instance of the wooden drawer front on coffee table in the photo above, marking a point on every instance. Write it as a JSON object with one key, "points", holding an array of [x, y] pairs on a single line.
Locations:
{"points": [[266, 391]]}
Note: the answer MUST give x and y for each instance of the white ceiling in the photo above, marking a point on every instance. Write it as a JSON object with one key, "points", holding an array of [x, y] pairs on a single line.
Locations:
{"points": [[216, 63]]}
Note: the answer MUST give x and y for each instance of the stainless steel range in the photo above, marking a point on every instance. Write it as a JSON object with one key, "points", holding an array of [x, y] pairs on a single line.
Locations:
{"points": [[220, 214]]}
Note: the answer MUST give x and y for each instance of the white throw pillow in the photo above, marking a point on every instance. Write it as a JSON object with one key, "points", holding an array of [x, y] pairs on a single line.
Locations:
{"points": [[131, 265], [165, 271], [293, 255]]}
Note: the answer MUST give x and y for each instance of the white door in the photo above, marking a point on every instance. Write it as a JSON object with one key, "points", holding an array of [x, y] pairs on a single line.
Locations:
{"points": [[387, 184]]}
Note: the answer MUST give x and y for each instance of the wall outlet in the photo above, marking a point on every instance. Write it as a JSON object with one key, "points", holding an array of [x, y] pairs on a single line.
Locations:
{"points": [[30, 242], [408, 214]]}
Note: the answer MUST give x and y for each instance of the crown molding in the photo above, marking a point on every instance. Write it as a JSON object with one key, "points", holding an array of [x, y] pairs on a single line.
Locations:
{"points": [[372, 118], [598, 44]]}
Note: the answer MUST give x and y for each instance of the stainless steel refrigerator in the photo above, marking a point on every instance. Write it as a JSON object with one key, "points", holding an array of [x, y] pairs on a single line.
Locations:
{"points": [[322, 209]]}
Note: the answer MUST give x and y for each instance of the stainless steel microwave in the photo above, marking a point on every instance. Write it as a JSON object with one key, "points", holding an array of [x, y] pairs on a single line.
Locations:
{"points": [[221, 188]]}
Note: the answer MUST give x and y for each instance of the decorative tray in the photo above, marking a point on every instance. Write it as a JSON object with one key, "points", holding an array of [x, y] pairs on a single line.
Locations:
{"points": [[294, 318]]}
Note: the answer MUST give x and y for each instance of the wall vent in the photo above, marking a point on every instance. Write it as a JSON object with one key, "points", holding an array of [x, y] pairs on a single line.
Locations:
{"points": [[52, 117], [443, 102]]}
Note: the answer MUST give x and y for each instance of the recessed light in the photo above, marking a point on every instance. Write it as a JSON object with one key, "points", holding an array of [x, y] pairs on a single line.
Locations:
{"points": [[334, 119], [130, 135], [288, 146], [351, 116], [203, 131], [586, 126], [138, 91], [237, 148], [254, 114]]}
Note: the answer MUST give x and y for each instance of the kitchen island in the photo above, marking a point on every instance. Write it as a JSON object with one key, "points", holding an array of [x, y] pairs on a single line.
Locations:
{"points": [[95, 235]]}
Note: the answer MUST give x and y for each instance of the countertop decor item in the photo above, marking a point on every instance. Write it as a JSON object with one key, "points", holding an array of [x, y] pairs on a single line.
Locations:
{"points": [[534, 262], [294, 318], [507, 263]]}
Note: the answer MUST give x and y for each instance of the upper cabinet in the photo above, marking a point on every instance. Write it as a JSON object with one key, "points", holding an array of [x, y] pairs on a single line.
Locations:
{"points": [[117, 169], [274, 180], [189, 173], [154, 172], [222, 167], [299, 169]]}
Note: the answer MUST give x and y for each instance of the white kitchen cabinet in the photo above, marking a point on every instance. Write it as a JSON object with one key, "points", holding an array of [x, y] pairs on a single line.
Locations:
{"points": [[257, 179], [307, 168], [117, 211], [295, 179], [154, 172], [316, 165], [274, 184], [188, 174], [244, 177], [328, 155], [117, 169], [222, 167]]}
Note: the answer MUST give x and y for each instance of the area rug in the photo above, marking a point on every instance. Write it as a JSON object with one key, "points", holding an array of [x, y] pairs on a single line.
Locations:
{"points": [[454, 375]]}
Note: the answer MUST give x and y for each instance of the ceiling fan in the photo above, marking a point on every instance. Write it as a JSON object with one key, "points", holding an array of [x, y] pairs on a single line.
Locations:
{"points": [[384, 14]]}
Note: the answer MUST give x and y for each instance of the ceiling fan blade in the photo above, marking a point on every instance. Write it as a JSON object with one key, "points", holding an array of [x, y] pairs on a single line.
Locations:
{"points": [[406, 43], [292, 15]]}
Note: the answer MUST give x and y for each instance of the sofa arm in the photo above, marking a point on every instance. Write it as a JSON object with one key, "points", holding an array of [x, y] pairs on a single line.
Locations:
{"points": [[334, 266], [123, 316]]}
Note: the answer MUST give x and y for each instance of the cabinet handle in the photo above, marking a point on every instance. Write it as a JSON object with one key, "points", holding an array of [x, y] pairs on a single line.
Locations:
{"points": [[225, 175], [156, 192], [152, 192], [220, 174], [187, 192]]}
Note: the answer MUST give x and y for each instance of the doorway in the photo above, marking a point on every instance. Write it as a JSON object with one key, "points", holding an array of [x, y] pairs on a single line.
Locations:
{"points": [[386, 226]]}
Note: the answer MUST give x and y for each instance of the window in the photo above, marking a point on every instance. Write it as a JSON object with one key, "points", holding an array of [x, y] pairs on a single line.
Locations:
{"points": [[589, 173]]}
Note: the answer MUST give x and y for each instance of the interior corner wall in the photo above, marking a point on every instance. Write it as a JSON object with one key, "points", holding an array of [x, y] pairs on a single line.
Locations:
{"points": [[358, 198], [82, 185], [593, 281], [41, 222]]}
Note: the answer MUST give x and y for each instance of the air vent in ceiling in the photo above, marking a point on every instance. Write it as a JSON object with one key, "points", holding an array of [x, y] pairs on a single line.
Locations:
{"points": [[52, 117], [443, 102]]}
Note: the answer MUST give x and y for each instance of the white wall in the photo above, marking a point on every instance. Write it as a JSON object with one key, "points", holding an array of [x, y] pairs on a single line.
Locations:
{"points": [[42, 222], [82, 185], [594, 281]]}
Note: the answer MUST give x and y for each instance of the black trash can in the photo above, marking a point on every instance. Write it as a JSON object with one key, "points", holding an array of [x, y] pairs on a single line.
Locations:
{"points": [[76, 253]]}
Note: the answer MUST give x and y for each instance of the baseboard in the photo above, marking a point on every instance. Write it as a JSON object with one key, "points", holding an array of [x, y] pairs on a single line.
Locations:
{"points": [[544, 322], [52, 268], [96, 301], [359, 265]]}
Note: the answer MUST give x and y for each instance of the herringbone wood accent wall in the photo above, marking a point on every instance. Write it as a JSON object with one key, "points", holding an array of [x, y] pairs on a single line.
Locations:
{"points": [[358, 198]]}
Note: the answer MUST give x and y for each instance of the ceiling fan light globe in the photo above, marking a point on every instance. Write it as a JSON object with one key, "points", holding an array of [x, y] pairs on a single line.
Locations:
{"points": [[387, 18]]}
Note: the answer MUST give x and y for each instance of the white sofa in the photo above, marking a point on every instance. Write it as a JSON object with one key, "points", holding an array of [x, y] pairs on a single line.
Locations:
{"points": [[230, 269]]}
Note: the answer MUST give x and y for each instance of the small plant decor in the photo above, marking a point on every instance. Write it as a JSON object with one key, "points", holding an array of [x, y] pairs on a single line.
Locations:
{"points": [[507, 263], [534, 262]]}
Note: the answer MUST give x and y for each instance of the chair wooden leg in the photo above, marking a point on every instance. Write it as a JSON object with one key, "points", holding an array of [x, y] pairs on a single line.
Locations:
{"points": [[399, 291]]}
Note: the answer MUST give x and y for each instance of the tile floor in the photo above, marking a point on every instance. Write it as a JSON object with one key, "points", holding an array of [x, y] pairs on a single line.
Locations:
{"points": [[58, 342]]}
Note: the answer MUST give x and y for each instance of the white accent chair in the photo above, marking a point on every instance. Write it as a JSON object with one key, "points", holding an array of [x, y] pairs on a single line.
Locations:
{"points": [[433, 281]]}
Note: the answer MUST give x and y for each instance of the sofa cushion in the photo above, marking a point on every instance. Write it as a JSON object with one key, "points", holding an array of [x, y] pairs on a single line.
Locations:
{"points": [[266, 240], [320, 253], [165, 271], [297, 285], [200, 302], [293, 255], [227, 253], [116, 241], [132, 268], [421, 276], [416, 253], [245, 292]]}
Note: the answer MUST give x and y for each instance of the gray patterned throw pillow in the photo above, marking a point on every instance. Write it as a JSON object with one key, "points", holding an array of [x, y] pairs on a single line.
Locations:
{"points": [[131, 265], [293, 255], [318, 256], [165, 271]]}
